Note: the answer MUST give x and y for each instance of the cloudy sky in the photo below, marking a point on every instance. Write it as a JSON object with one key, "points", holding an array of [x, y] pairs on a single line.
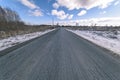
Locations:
{"points": [[85, 12]]}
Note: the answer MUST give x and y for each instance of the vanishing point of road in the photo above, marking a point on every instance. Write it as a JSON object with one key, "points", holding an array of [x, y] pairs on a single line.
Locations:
{"points": [[59, 55]]}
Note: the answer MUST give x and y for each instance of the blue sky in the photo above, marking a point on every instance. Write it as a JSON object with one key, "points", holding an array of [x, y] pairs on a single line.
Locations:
{"points": [[43, 11]]}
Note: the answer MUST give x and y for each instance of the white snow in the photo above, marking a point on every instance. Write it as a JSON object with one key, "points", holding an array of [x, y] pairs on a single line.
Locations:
{"points": [[104, 39], [11, 41]]}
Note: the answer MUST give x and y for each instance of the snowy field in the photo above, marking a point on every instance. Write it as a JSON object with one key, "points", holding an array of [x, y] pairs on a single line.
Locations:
{"points": [[11, 41], [104, 39]]}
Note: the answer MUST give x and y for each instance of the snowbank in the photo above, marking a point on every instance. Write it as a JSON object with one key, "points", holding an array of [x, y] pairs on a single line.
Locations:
{"points": [[11, 41], [104, 39]]}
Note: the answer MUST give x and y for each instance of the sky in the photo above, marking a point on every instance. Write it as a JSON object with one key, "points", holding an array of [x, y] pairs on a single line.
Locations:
{"points": [[66, 12]]}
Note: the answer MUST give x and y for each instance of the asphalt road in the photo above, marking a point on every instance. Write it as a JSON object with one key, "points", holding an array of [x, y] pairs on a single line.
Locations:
{"points": [[59, 55]]}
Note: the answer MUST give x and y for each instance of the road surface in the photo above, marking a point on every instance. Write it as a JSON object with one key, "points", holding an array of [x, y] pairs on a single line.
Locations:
{"points": [[59, 55]]}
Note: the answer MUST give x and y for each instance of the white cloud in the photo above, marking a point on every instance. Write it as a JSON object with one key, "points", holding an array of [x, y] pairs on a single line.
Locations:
{"points": [[70, 16], [56, 5], [81, 13], [87, 4], [29, 4], [107, 21], [36, 13], [34, 9], [116, 3], [114, 21], [100, 21], [104, 12], [60, 14]]}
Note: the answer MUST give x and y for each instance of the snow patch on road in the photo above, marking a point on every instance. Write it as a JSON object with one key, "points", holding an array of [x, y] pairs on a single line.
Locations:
{"points": [[104, 39], [11, 41]]}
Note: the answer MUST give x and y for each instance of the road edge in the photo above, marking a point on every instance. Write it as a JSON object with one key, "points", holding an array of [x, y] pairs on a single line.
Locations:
{"points": [[10, 49]]}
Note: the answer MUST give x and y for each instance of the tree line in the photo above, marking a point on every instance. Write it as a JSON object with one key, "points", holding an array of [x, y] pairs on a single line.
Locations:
{"points": [[11, 24], [7, 15]]}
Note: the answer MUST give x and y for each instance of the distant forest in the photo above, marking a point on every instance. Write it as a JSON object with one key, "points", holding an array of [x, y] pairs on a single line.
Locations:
{"points": [[11, 24]]}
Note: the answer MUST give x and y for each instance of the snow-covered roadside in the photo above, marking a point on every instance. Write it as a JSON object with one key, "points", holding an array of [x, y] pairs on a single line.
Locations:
{"points": [[104, 39], [11, 41]]}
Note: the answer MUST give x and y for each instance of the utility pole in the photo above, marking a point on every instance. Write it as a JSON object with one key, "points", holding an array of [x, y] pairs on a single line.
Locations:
{"points": [[53, 22]]}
